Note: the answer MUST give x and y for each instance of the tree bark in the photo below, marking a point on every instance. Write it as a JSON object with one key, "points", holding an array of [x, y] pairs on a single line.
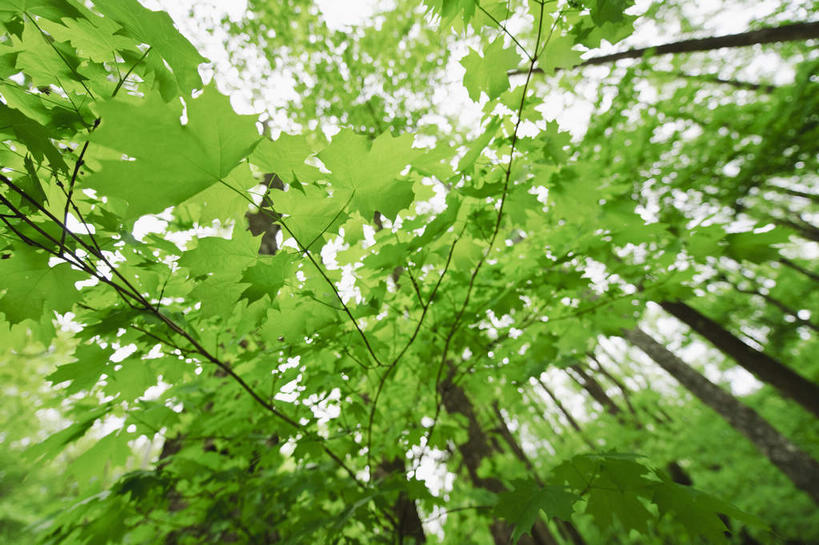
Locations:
{"points": [[590, 384], [794, 463], [786, 310], [567, 529], [572, 422], [410, 530], [799, 268], [761, 365], [738, 84], [617, 382], [477, 448], [793, 192], [785, 33]]}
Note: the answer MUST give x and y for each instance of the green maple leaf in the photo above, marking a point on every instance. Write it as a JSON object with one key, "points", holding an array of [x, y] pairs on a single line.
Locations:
{"points": [[558, 53], [224, 258], [52, 9], [476, 148], [29, 283], [488, 73], [157, 29], [310, 214], [45, 60], [756, 247], [171, 161], [112, 449], [32, 134], [85, 372], [521, 505], [95, 40], [267, 276], [367, 174], [609, 11], [285, 157]]}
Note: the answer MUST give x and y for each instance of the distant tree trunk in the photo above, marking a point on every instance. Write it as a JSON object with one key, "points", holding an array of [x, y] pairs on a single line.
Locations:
{"points": [[802, 228], [590, 384], [761, 365], [262, 221], [785, 309], [794, 463], [793, 192], [572, 422], [680, 476], [799, 268], [536, 401], [617, 382], [784, 33], [477, 448], [657, 412], [567, 529], [409, 527]]}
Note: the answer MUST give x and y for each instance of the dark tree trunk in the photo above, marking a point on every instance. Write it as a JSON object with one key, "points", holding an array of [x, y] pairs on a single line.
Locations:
{"points": [[785, 33], [794, 463], [409, 527], [788, 311], [793, 192], [738, 84], [590, 384], [802, 228], [798, 268], [263, 220], [477, 448], [617, 382], [763, 366], [572, 422], [567, 529]]}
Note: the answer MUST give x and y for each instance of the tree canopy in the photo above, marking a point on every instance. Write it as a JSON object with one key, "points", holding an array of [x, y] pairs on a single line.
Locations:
{"points": [[402, 302]]}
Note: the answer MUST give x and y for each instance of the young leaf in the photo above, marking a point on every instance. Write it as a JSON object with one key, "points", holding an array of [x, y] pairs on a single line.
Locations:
{"points": [[487, 73]]}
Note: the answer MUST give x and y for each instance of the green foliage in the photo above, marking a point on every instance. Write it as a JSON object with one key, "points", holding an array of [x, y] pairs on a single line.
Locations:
{"points": [[308, 322]]}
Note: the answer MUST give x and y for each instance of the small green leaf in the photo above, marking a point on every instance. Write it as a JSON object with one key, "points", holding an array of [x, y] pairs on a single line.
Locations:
{"points": [[488, 73], [29, 283], [521, 505]]}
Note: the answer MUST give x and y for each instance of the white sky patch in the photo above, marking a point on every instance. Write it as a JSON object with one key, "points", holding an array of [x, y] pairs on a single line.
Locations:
{"points": [[342, 14]]}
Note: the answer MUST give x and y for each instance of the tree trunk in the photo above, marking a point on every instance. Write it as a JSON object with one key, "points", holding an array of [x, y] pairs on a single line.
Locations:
{"points": [[786, 310], [785, 33], [477, 448], [590, 384], [799, 268], [567, 529], [763, 366], [572, 422], [409, 527], [794, 463], [617, 382], [814, 198]]}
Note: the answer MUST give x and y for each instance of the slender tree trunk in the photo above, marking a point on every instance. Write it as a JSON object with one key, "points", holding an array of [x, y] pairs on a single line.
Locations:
{"points": [[572, 422], [814, 198], [409, 527], [785, 33], [794, 463], [476, 449], [738, 84], [763, 366], [788, 311], [802, 228], [590, 384], [798, 268], [567, 529], [617, 382], [555, 427], [658, 414]]}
